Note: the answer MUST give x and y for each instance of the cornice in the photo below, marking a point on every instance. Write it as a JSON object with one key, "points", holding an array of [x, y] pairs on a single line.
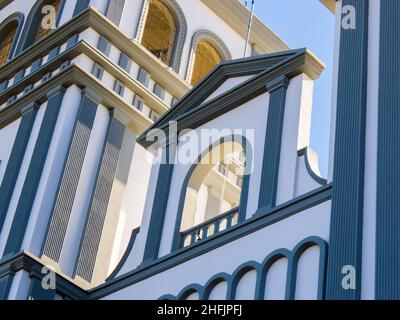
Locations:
{"points": [[4, 3], [74, 75], [237, 16], [91, 18], [330, 4]]}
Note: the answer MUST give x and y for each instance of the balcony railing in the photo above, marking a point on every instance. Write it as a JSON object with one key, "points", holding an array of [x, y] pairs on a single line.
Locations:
{"points": [[210, 227]]}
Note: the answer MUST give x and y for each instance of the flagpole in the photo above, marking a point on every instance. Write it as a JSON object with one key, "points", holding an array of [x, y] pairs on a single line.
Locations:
{"points": [[249, 28]]}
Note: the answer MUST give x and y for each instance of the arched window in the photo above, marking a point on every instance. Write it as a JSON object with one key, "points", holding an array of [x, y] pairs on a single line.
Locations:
{"points": [[41, 32], [8, 34], [207, 51], [206, 58], [160, 31], [214, 195], [40, 22]]}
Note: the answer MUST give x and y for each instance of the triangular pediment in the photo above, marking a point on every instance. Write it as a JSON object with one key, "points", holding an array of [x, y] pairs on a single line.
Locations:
{"points": [[232, 82]]}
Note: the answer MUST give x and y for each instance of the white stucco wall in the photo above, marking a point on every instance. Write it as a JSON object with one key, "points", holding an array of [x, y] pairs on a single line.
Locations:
{"points": [[7, 137]]}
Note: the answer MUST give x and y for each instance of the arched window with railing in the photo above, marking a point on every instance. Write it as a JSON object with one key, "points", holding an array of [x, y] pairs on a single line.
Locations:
{"points": [[207, 51], [162, 30], [42, 20], [9, 31], [214, 194]]}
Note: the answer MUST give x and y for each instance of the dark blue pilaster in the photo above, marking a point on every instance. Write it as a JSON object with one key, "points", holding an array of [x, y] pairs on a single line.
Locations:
{"points": [[345, 241]]}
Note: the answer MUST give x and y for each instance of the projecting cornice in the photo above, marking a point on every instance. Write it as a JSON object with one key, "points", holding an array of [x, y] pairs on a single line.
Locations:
{"points": [[330, 4], [4, 3], [191, 112], [91, 18]]}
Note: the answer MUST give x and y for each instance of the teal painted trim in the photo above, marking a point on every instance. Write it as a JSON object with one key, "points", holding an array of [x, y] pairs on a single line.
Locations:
{"points": [[159, 209], [80, 6], [32, 24], [387, 276], [16, 157], [32, 179], [177, 239], [239, 273], [36, 291], [348, 173], [257, 222], [125, 257], [262, 270], [10, 265], [71, 172], [5, 286], [167, 297], [213, 282], [273, 141], [97, 212], [190, 289], [313, 175], [19, 17], [294, 262]]}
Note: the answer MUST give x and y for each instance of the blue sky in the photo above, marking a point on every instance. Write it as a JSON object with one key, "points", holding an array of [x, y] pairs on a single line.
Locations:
{"points": [[307, 23]]}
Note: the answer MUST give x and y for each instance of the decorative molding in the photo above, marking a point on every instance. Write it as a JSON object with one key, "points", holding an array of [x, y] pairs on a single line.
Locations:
{"points": [[211, 38], [181, 27], [19, 17], [387, 277], [68, 184], [183, 255], [177, 237], [32, 22], [190, 112], [345, 241], [96, 215], [35, 169], [304, 153], [7, 186], [273, 142], [262, 270]]}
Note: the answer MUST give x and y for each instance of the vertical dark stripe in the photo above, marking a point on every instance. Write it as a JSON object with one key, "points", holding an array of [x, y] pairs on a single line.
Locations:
{"points": [[273, 140], [114, 11], [388, 190], [80, 6], [16, 158], [5, 286], [70, 177], [100, 199], [32, 179], [345, 246], [160, 203]]}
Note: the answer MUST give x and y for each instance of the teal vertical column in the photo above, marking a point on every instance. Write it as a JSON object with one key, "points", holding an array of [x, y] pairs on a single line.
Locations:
{"points": [[160, 203], [273, 139], [345, 240], [99, 203], [70, 177], [5, 285], [17, 155], [387, 280], [80, 6], [35, 169]]}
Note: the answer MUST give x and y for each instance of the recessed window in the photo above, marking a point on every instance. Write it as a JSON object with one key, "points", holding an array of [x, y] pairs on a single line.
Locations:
{"points": [[43, 30], [159, 91], [7, 39], [98, 71], [213, 193], [206, 58], [119, 88], [153, 115], [143, 77], [159, 31], [138, 102]]}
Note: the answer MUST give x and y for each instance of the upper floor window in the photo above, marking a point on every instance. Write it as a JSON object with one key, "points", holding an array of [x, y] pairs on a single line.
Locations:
{"points": [[8, 34], [43, 28], [206, 58], [214, 193], [160, 31], [207, 51]]}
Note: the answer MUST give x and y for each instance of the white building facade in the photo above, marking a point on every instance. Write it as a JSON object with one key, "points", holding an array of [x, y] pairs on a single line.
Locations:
{"points": [[89, 107]]}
